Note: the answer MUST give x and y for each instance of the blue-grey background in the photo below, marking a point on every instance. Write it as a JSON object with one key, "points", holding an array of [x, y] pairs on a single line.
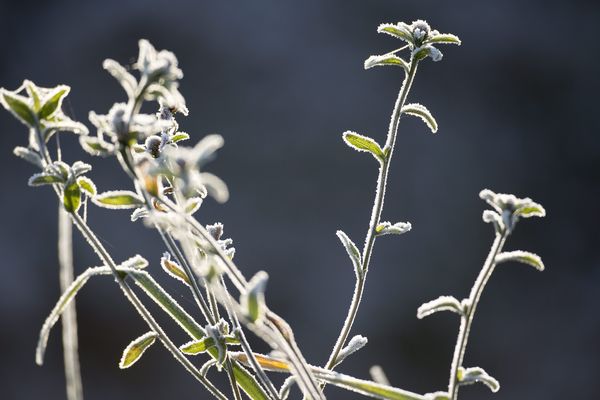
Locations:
{"points": [[281, 80]]}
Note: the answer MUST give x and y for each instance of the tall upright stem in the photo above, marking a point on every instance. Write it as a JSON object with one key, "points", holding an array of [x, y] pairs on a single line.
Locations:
{"points": [[467, 319], [69, 315], [375, 213]]}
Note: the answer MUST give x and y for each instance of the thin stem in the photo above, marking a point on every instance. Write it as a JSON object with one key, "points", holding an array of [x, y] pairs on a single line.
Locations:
{"points": [[232, 381], [137, 304], [69, 315], [375, 214], [467, 320]]}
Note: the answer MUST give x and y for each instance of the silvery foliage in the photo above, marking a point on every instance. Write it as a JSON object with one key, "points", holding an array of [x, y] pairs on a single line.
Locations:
{"points": [[169, 187]]}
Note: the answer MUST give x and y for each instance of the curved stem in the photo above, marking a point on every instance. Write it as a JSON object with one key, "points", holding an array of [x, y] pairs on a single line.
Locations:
{"points": [[467, 320], [375, 213]]}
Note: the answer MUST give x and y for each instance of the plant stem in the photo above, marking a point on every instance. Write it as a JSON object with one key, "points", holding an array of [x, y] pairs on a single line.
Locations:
{"points": [[69, 315], [375, 214], [140, 308], [467, 320]]}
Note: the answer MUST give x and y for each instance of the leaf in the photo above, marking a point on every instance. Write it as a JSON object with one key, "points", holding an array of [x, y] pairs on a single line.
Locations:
{"points": [[135, 262], [53, 101], [422, 112], [79, 168], [386, 59], [95, 146], [134, 351], [400, 31], [352, 251], [174, 269], [118, 200], [87, 185], [18, 106], [427, 50], [248, 383], [475, 374], [442, 303], [363, 143], [493, 217], [356, 343], [179, 136], [193, 204], [532, 209], [72, 197], [119, 72], [386, 228], [444, 38], [197, 346], [524, 257], [253, 299], [29, 156], [139, 213], [43, 179], [34, 93]]}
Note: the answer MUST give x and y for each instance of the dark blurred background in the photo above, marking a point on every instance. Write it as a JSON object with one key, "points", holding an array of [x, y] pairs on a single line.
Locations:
{"points": [[517, 108]]}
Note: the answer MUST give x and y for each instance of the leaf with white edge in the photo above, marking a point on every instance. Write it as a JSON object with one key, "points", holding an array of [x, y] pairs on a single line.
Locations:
{"points": [[531, 210], [29, 156], [136, 349], [119, 72], [43, 179], [422, 112], [95, 146], [475, 374], [444, 38], [363, 143], [174, 269], [64, 125], [179, 136], [18, 106], [139, 213], [87, 185], [79, 168], [135, 262], [72, 197], [253, 299], [442, 303], [352, 251], [215, 187], [53, 101], [118, 200], [197, 346], [34, 93], [493, 217], [386, 59], [428, 50], [386, 228], [356, 343], [400, 31], [192, 205], [524, 257]]}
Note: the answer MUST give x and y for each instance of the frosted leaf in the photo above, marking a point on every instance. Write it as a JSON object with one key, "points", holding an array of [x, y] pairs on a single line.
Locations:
{"points": [[28, 155], [386, 228], [174, 269], [442, 303], [400, 31], [136, 349], [119, 72], [356, 343], [44, 179], [19, 106], [437, 396], [138, 213], [215, 187], [363, 143], [493, 217], [96, 146], [352, 251], [443, 38], [422, 112], [135, 262], [386, 59], [253, 299], [79, 168], [118, 200], [475, 374], [378, 375], [193, 204], [87, 186], [52, 101], [524, 257], [511, 208]]}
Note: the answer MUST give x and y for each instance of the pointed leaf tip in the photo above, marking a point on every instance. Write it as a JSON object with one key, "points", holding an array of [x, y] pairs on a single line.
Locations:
{"points": [[472, 375], [134, 351], [352, 251], [524, 257], [442, 303], [363, 143], [419, 110]]}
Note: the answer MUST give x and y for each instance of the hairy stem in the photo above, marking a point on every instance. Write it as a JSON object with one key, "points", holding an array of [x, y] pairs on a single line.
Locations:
{"points": [[467, 320], [69, 315], [375, 213]]}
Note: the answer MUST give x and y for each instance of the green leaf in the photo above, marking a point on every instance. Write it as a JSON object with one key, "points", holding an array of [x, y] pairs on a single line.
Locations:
{"points": [[136, 349], [400, 31], [179, 136], [72, 197], [87, 185], [472, 375], [53, 101], [253, 299], [386, 59], [363, 143], [18, 106], [532, 209], [443, 38], [427, 50], [197, 346], [386, 228], [34, 94], [44, 179], [29, 156], [367, 388], [422, 112], [442, 303], [524, 257], [352, 251], [248, 383], [193, 204], [135, 262], [174, 269], [118, 200]]}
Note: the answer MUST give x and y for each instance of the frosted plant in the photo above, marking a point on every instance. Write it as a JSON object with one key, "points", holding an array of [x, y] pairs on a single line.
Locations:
{"points": [[169, 185]]}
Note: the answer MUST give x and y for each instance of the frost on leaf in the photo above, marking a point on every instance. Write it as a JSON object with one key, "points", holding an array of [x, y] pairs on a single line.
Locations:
{"points": [[118, 200], [386, 59], [442, 303], [472, 375], [174, 269], [253, 299], [356, 343], [524, 257], [422, 112], [386, 228], [136, 349], [352, 251], [363, 143]]}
